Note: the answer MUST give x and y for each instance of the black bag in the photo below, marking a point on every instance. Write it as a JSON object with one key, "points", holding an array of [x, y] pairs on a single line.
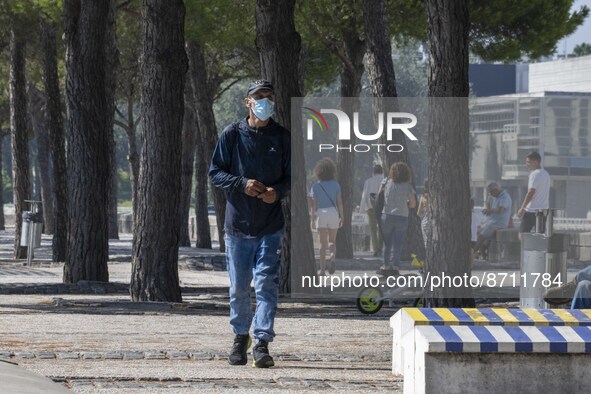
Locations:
{"points": [[378, 206], [372, 199]]}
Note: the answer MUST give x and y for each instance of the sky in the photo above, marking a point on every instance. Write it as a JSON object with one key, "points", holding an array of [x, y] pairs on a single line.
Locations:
{"points": [[582, 34]]}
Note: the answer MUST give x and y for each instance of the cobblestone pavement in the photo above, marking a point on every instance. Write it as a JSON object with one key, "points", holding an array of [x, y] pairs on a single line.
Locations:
{"points": [[92, 339], [104, 343]]}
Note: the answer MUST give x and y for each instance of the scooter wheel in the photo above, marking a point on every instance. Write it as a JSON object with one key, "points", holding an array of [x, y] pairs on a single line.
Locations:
{"points": [[419, 302], [366, 301]]}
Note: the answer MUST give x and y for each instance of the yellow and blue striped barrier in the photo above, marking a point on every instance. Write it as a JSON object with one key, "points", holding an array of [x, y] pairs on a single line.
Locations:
{"points": [[486, 329], [507, 339], [499, 316]]}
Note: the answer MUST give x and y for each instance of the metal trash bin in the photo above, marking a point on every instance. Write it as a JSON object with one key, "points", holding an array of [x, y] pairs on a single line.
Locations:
{"points": [[26, 228], [34, 220], [543, 261]]}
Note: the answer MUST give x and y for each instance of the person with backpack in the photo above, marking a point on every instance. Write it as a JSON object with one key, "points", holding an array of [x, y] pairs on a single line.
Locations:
{"points": [[397, 197], [252, 163], [327, 211]]}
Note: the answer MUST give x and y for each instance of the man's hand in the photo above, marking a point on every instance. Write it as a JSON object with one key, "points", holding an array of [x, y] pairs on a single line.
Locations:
{"points": [[269, 196], [521, 212], [254, 188]]}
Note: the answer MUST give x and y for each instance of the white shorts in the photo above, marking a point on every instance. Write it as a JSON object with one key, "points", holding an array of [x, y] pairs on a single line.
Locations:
{"points": [[327, 218]]}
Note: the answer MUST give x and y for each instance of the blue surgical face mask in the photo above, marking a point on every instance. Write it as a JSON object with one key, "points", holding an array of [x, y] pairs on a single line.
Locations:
{"points": [[263, 108]]}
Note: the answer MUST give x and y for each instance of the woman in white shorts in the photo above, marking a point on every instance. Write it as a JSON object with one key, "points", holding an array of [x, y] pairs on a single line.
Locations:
{"points": [[326, 211]]}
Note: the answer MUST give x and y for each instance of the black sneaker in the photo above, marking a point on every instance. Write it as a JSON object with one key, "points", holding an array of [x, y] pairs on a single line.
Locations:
{"points": [[238, 354], [560, 295], [260, 353]]}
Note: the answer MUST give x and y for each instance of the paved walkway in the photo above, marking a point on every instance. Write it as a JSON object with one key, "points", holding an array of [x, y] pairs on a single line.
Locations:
{"points": [[90, 338]]}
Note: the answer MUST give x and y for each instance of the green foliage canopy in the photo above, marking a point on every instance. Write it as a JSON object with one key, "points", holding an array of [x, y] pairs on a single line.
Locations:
{"points": [[509, 29]]}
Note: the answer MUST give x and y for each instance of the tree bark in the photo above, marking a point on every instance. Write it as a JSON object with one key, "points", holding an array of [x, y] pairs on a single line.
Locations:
{"points": [[20, 148], [208, 137], [56, 141], [187, 159], [202, 228], [133, 157], [279, 47], [37, 105], [2, 220], [382, 79], [89, 134], [156, 225], [112, 53], [113, 216], [354, 49], [448, 249], [380, 70]]}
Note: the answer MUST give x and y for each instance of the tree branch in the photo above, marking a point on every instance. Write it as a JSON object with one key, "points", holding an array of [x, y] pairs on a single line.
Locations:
{"points": [[124, 4], [119, 113], [124, 126], [228, 86], [333, 47]]}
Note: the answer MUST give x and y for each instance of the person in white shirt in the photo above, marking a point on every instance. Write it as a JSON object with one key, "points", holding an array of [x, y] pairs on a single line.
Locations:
{"points": [[368, 198], [538, 193]]}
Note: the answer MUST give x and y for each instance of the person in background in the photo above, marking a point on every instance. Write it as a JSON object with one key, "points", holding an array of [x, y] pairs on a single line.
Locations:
{"points": [[538, 193], [326, 211], [399, 198], [368, 198], [577, 291], [423, 211], [496, 217]]}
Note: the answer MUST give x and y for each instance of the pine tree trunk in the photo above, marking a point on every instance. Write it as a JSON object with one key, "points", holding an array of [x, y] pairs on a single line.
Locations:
{"points": [[20, 148], [156, 228], [2, 220], [187, 159], [380, 70], [46, 184], [351, 73], [113, 216], [37, 105], [112, 53], [56, 141], [202, 228], [133, 157], [279, 47], [208, 137], [449, 153], [382, 79], [89, 134]]}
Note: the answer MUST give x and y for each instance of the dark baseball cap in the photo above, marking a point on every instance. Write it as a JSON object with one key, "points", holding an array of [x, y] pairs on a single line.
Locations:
{"points": [[257, 85]]}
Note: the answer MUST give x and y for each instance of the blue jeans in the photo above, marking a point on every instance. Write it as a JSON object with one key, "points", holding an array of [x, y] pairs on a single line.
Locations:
{"points": [[259, 258], [582, 297], [394, 235]]}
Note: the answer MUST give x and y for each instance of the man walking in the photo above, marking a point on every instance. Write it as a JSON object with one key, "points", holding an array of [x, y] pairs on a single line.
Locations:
{"points": [[252, 163], [368, 198], [538, 193]]}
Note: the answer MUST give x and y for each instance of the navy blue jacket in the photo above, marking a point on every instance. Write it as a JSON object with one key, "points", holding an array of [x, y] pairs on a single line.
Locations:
{"points": [[244, 152]]}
